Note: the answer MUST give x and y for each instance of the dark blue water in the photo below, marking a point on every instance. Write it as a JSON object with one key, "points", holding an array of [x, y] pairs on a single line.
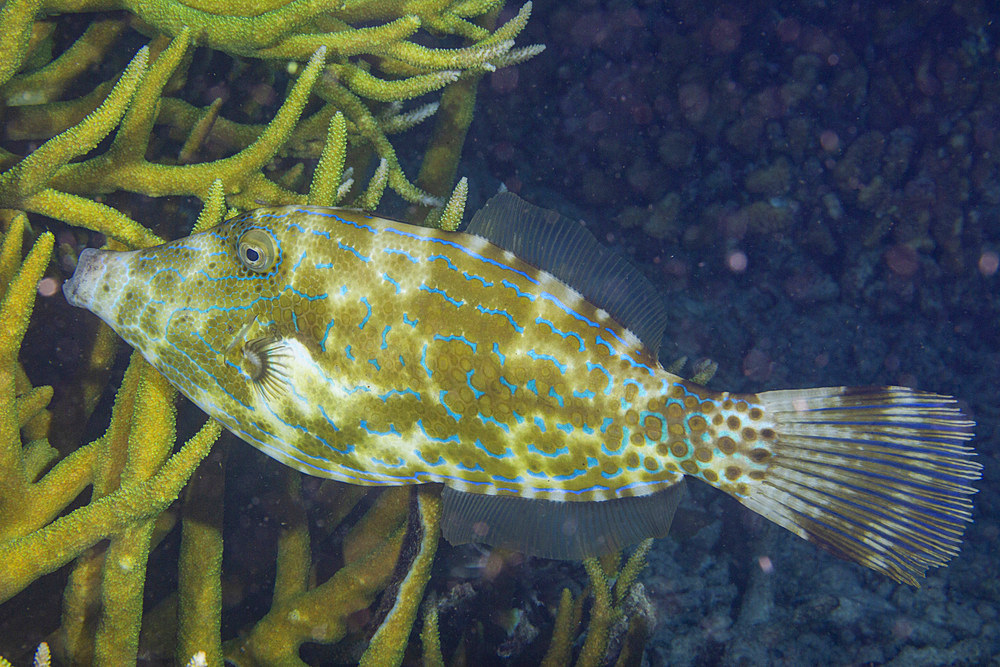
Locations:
{"points": [[815, 186]]}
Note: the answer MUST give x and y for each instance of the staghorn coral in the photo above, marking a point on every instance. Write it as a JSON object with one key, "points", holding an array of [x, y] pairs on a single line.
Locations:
{"points": [[349, 86], [341, 72]]}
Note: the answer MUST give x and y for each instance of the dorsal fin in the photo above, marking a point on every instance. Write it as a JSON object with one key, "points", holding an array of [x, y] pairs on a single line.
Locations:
{"points": [[569, 252]]}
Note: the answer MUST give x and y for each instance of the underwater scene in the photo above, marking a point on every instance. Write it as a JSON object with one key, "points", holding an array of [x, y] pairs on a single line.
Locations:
{"points": [[460, 332]]}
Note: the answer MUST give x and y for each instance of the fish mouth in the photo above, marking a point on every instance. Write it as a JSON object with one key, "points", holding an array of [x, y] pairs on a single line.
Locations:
{"points": [[79, 289]]}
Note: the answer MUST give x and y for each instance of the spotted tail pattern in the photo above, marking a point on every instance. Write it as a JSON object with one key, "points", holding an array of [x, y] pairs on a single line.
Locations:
{"points": [[373, 352]]}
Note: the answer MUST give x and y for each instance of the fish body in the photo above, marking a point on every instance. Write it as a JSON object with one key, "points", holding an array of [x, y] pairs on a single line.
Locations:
{"points": [[374, 352]]}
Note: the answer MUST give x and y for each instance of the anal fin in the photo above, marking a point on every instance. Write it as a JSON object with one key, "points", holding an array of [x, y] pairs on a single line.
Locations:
{"points": [[554, 529]]}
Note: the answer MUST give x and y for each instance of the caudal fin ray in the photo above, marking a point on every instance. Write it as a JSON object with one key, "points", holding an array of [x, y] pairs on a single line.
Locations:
{"points": [[880, 476], [872, 514], [939, 510], [887, 467]]}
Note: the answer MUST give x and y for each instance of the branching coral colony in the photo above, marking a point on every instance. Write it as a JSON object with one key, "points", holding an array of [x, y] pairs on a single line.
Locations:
{"points": [[352, 90]]}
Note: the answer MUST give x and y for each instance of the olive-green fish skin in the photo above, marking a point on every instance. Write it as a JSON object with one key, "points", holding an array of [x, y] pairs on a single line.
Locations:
{"points": [[407, 355], [374, 352]]}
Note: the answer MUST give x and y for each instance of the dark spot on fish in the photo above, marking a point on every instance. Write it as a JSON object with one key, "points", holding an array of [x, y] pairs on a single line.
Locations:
{"points": [[767, 434], [710, 476], [697, 423], [689, 466], [749, 434], [733, 422], [756, 413], [727, 445], [759, 455], [733, 473]]}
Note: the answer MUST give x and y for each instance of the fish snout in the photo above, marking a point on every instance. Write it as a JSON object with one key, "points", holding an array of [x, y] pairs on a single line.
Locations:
{"points": [[90, 269]]}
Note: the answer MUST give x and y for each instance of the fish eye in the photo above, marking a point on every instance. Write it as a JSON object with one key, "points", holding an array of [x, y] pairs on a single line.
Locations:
{"points": [[256, 250]]}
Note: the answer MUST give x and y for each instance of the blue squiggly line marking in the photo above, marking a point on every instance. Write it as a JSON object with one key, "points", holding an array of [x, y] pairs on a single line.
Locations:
{"points": [[458, 304], [490, 420], [439, 461], [451, 439], [461, 339], [451, 413], [556, 395], [353, 251], [330, 422], [396, 251], [507, 453], [423, 361], [557, 453], [598, 367], [368, 315], [322, 342], [472, 276], [628, 381], [517, 290], [392, 429], [502, 313], [379, 461], [573, 475], [446, 259], [399, 392], [561, 333], [548, 357], [394, 283], [601, 341], [468, 381]]}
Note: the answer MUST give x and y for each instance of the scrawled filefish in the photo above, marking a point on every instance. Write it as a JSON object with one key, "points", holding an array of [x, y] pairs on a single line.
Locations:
{"points": [[515, 364]]}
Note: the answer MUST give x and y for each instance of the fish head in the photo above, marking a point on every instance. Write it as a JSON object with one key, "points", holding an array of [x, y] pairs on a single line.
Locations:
{"points": [[190, 306]]}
